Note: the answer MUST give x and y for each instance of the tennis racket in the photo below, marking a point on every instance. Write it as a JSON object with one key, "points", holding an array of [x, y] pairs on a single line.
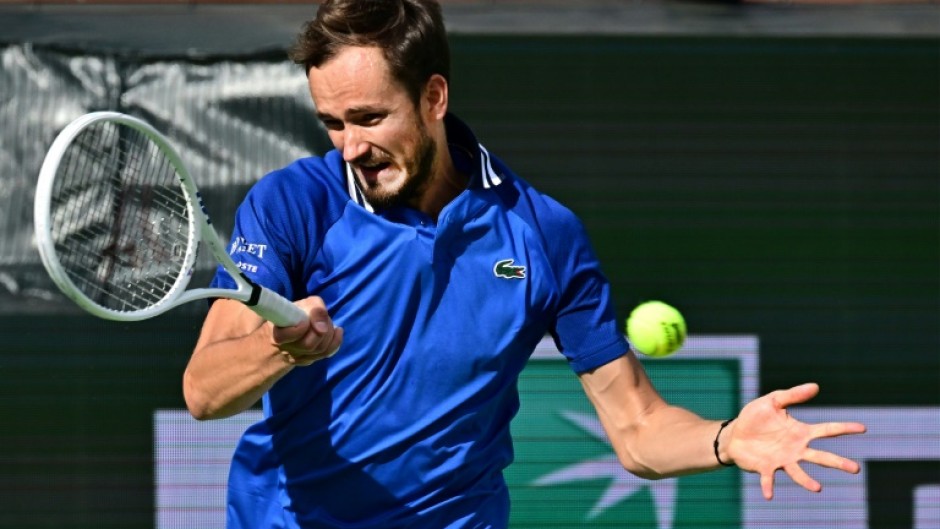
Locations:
{"points": [[119, 221]]}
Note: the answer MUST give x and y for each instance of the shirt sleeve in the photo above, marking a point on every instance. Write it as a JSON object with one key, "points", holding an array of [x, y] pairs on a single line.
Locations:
{"points": [[586, 330], [258, 244]]}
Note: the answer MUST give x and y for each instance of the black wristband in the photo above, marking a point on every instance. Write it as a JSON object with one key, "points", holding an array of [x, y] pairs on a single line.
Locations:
{"points": [[715, 445]]}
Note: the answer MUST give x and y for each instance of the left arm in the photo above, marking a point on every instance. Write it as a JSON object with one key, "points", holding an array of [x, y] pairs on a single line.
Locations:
{"points": [[651, 438], [654, 439]]}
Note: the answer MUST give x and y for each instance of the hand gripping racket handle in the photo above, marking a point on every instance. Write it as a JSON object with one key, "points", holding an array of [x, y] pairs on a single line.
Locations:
{"points": [[276, 309]]}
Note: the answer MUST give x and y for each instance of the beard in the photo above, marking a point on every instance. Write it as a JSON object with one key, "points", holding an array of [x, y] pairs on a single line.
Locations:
{"points": [[417, 171]]}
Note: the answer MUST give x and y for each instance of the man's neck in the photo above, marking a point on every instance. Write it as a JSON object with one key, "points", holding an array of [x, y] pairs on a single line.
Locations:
{"points": [[445, 184]]}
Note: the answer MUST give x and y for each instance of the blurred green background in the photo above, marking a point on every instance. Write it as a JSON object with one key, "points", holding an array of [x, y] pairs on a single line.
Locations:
{"points": [[787, 188]]}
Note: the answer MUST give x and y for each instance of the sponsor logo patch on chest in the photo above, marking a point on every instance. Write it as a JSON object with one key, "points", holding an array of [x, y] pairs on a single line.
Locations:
{"points": [[506, 269]]}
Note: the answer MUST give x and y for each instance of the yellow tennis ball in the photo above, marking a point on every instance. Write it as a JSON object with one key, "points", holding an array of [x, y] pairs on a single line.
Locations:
{"points": [[656, 329]]}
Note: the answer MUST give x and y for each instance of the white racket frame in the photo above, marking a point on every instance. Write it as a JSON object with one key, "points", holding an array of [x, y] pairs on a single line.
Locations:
{"points": [[266, 303]]}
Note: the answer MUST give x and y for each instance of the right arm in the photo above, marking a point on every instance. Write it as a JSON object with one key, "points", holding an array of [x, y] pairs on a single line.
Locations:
{"points": [[239, 356]]}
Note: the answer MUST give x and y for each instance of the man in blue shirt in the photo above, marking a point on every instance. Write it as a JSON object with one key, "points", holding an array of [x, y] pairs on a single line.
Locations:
{"points": [[430, 272]]}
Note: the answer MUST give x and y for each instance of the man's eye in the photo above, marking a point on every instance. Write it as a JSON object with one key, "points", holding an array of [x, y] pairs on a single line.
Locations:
{"points": [[372, 119], [332, 124]]}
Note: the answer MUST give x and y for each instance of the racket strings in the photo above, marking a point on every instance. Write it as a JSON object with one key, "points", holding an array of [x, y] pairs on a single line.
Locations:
{"points": [[120, 221]]}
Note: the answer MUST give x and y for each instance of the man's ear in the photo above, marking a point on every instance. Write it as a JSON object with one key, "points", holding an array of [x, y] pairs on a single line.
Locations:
{"points": [[434, 99]]}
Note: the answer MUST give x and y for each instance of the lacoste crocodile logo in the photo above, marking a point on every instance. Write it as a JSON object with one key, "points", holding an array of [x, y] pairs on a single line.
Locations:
{"points": [[507, 270]]}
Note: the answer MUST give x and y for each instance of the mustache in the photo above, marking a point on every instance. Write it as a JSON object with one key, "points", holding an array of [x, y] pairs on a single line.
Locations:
{"points": [[372, 158]]}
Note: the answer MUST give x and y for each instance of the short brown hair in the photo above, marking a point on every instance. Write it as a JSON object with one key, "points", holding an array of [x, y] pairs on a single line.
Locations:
{"points": [[410, 33]]}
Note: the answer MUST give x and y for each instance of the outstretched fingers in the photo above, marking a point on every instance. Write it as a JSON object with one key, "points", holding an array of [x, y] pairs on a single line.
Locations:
{"points": [[767, 484], [801, 478], [835, 429], [830, 460], [772, 440], [796, 395]]}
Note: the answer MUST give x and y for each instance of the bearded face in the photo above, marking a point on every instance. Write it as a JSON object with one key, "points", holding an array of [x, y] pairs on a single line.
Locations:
{"points": [[376, 124], [386, 181]]}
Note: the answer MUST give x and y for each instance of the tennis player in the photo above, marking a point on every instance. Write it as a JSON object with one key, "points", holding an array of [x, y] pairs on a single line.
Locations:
{"points": [[430, 271]]}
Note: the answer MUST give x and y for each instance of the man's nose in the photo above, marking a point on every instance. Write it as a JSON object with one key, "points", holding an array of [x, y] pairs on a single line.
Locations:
{"points": [[353, 144]]}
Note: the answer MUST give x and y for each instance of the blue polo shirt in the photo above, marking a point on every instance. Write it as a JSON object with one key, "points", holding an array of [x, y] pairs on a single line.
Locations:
{"points": [[408, 424]]}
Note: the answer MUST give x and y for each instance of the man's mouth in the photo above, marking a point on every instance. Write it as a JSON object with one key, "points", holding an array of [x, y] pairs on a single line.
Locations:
{"points": [[370, 171]]}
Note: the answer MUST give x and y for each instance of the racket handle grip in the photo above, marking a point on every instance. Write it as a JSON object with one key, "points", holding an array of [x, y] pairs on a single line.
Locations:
{"points": [[277, 309]]}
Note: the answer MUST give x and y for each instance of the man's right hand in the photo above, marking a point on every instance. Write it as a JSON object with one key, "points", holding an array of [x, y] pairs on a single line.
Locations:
{"points": [[239, 356], [311, 340]]}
